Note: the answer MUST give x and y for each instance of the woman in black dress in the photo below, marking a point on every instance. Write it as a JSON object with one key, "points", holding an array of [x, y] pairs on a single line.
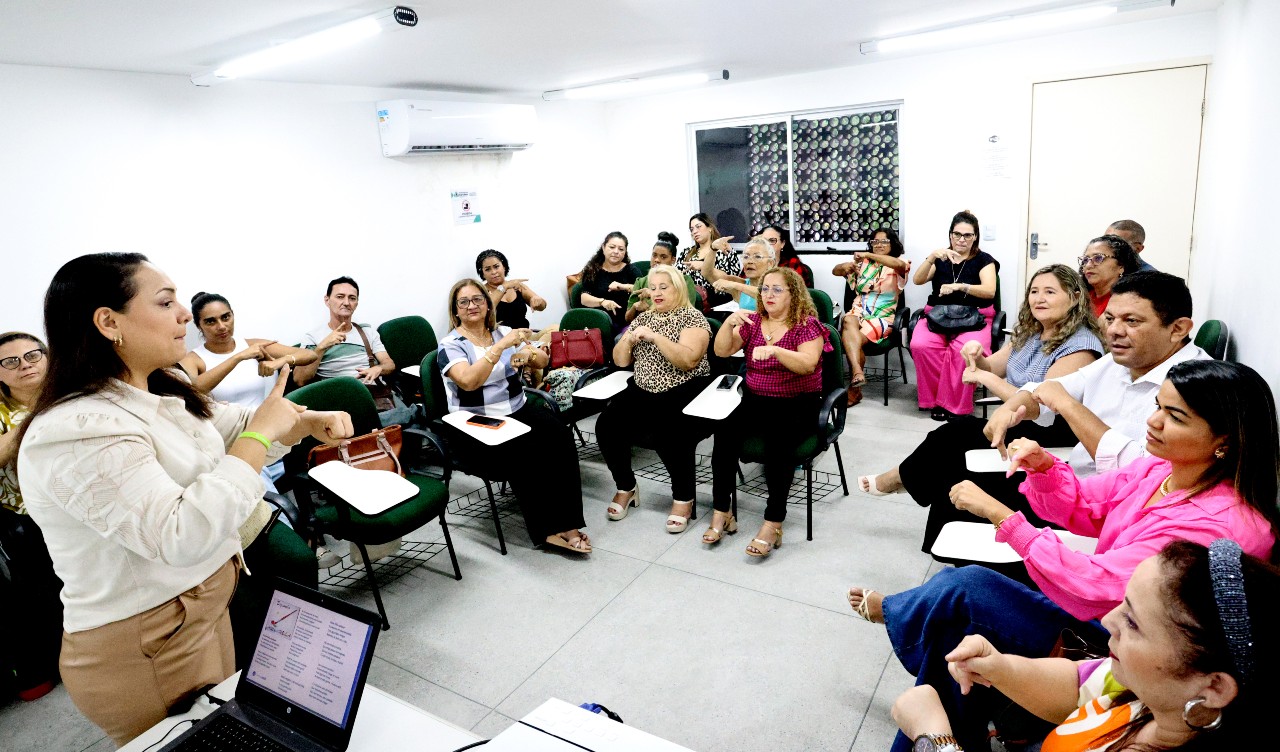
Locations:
{"points": [[607, 279], [511, 298]]}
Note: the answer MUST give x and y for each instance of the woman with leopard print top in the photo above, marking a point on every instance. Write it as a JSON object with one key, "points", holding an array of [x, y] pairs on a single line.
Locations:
{"points": [[668, 345]]}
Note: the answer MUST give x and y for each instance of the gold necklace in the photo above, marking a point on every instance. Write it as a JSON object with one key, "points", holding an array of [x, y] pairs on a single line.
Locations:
{"points": [[1164, 487]]}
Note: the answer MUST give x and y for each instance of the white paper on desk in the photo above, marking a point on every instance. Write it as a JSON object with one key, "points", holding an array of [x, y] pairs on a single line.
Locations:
{"points": [[414, 371], [369, 491], [989, 461], [976, 541], [729, 307], [605, 387], [713, 403], [510, 429]]}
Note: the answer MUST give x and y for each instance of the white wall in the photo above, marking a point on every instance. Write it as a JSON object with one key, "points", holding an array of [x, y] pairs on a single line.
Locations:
{"points": [[1237, 267], [953, 101], [263, 192]]}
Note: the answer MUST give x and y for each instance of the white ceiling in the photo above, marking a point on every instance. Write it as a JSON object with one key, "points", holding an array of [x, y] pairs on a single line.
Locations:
{"points": [[485, 46]]}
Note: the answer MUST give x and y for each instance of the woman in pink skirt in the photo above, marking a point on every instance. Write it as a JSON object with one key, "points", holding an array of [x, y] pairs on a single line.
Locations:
{"points": [[962, 275]]}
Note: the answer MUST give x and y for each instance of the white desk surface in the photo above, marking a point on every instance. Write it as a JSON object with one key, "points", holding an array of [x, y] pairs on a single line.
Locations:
{"points": [[370, 491], [605, 387], [988, 460], [976, 541], [383, 723], [490, 436], [729, 307], [713, 403], [414, 371]]}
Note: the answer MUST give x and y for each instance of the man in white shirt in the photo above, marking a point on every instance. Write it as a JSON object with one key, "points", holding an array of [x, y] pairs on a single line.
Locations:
{"points": [[340, 347], [1107, 403]]}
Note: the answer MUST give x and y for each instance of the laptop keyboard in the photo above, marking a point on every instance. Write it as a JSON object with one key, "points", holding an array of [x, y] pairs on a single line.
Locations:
{"points": [[226, 733]]}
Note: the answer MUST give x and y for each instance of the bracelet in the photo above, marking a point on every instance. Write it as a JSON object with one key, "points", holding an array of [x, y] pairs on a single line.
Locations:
{"points": [[1002, 520], [266, 443], [293, 361], [486, 355]]}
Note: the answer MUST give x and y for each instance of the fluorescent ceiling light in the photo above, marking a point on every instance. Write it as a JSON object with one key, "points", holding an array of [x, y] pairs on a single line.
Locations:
{"points": [[630, 87], [989, 30], [312, 45]]}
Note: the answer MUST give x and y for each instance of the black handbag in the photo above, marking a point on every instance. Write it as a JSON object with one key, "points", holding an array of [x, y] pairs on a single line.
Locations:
{"points": [[954, 319]]}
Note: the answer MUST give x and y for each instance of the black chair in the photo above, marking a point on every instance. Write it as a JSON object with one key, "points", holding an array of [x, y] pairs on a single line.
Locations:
{"points": [[826, 435], [888, 345]]}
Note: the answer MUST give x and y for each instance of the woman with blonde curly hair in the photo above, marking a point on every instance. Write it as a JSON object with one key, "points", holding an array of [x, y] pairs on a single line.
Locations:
{"points": [[667, 344], [784, 343], [1056, 334]]}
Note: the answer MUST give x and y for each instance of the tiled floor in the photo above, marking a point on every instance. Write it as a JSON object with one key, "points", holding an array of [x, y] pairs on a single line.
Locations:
{"points": [[704, 646]]}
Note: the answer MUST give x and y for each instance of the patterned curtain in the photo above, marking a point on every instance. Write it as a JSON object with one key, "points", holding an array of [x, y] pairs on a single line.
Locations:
{"points": [[767, 186], [846, 176]]}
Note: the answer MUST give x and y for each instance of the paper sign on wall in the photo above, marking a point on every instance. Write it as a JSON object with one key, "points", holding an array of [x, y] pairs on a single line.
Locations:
{"points": [[466, 210]]}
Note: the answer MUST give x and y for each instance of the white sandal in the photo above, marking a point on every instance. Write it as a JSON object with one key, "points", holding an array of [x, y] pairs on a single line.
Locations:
{"points": [[868, 485], [864, 608], [619, 511], [677, 524]]}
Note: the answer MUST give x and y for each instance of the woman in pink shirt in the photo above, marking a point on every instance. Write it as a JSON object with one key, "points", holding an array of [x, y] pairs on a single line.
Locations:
{"points": [[1212, 473]]}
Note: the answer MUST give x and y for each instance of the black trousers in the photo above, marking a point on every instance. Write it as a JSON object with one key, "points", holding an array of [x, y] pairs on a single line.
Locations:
{"points": [[30, 602], [541, 466], [657, 420], [938, 464], [780, 424]]}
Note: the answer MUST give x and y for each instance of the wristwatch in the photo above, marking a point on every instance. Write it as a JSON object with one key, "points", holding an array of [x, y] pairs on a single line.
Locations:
{"points": [[936, 743]]}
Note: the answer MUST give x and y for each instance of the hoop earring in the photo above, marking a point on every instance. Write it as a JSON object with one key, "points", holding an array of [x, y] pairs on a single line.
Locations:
{"points": [[1191, 707]]}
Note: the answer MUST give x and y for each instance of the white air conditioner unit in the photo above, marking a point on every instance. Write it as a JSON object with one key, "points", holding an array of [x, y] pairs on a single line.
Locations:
{"points": [[413, 126]]}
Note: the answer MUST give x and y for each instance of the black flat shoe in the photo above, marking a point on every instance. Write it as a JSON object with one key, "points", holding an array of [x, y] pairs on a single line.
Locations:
{"points": [[939, 414]]}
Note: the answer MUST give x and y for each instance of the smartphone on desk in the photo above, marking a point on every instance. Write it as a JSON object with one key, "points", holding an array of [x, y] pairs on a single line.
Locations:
{"points": [[484, 421], [726, 383]]}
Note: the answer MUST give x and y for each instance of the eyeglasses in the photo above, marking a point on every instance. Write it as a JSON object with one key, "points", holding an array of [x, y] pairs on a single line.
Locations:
{"points": [[959, 236], [774, 290], [1095, 259], [756, 257], [885, 241], [31, 356], [773, 241], [477, 301]]}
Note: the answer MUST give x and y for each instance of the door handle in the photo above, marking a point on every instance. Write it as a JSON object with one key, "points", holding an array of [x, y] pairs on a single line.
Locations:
{"points": [[1034, 250]]}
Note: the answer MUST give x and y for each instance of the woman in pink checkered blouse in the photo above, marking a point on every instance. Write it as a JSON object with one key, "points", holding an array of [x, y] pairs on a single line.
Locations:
{"points": [[784, 343]]}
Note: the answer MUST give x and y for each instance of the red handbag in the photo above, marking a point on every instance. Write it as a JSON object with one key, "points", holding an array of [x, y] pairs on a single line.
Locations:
{"points": [[581, 348]]}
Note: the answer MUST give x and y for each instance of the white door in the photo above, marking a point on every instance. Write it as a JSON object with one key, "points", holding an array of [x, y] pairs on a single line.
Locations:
{"points": [[1115, 147]]}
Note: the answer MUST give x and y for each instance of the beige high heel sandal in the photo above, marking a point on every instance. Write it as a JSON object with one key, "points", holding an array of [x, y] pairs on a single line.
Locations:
{"points": [[677, 524], [714, 533], [761, 548], [618, 511]]}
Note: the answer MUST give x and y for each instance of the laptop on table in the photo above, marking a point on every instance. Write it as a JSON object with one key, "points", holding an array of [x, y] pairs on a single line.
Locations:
{"points": [[303, 686]]}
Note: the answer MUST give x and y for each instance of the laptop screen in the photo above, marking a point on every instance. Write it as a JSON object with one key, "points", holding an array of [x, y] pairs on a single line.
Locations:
{"points": [[311, 657]]}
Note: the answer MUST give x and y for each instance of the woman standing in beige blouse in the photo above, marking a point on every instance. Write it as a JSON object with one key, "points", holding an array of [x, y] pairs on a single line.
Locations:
{"points": [[141, 485], [668, 345]]}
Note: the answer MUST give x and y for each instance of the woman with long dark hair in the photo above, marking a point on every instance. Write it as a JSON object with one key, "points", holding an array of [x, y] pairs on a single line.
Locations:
{"points": [[708, 243], [1190, 665], [878, 275], [963, 276], [779, 239], [145, 490], [608, 278], [1212, 472]]}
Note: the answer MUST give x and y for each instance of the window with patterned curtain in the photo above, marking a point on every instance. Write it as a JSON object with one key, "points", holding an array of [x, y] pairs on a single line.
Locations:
{"points": [[831, 177]]}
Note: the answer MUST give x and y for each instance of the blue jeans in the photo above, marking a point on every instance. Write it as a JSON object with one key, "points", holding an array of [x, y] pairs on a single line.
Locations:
{"points": [[927, 622]]}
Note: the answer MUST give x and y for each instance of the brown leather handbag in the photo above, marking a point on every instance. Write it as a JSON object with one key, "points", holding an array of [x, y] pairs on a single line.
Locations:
{"points": [[381, 392], [379, 450]]}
